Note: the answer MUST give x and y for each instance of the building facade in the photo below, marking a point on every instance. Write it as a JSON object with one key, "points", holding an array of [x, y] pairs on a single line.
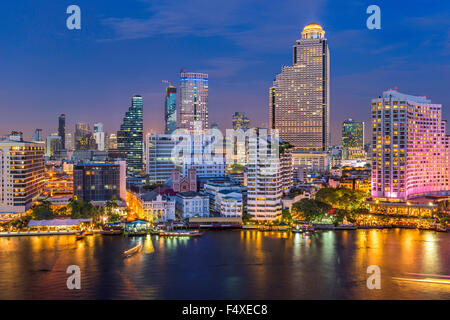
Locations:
{"points": [[99, 181], [62, 130], [99, 136], [241, 121], [159, 158], [21, 174], [193, 102], [353, 140], [410, 155], [191, 204], [268, 177], [170, 110], [299, 98], [130, 137]]}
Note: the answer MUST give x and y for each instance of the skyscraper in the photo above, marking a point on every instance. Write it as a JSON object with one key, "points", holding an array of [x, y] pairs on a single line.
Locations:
{"points": [[62, 130], [353, 140], [53, 145], [410, 155], [130, 137], [99, 136], [240, 121], [299, 98], [170, 110], [193, 102]]}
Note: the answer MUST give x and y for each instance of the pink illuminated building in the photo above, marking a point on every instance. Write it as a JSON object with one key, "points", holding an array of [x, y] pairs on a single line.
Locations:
{"points": [[410, 148]]}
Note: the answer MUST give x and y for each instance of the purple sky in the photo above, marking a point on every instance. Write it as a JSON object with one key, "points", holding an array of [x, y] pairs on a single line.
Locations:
{"points": [[127, 48]]}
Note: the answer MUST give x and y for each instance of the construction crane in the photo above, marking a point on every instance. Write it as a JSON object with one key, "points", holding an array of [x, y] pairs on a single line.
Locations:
{"points": [[167, 81]]}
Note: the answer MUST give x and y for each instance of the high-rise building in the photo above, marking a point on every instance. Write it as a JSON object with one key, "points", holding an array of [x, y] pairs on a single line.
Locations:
{"points": [[69, 142], [270, 174], [111, 141], [410, 155], [53, 145], [37, 136], [100, 181], [353, 140], [84, 140], [193, 102], [99, 136], [130, 137], [240, 121], [299, 101], [170, 110], [62, 130], [159, 159], [21, 174]]}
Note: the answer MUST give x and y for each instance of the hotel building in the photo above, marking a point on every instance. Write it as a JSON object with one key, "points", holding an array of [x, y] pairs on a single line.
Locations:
{"points": [[410, 155], [299, 98], [21, 173]]}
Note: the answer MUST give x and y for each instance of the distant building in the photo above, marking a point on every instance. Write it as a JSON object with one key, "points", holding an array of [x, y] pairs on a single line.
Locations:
{"points": [[240, 121], [130, 137], [21, 174], [191, 204], [37, 136], [99, 136], [84, 140], [100, 181], [170, 110], [193, 102], [159, 159], [69, 142], [62, 130], [353, 140], [53, 145], [111, 142]]}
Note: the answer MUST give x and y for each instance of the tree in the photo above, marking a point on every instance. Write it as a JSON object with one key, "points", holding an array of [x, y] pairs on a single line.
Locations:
{"points": [[83, 210], [42, 211], [286, 216], [310, 209]]}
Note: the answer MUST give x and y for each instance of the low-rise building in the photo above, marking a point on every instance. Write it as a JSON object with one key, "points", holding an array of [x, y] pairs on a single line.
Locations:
{"points": [[229, 203], [192, 204], [152, 206]]}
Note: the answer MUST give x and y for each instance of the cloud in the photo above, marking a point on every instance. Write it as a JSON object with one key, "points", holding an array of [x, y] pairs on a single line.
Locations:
{"points": [[247, 22]]}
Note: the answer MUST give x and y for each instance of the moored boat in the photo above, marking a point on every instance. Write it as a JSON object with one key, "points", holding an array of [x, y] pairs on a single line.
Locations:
{"points": [[181, 233], [133, 250], [80, 235]]}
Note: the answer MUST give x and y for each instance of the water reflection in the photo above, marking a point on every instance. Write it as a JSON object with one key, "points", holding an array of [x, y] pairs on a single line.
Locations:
{"points": [[228, 265]]}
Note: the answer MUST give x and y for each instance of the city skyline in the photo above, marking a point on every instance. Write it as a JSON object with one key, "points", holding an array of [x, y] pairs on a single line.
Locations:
{"points": [[222, 54]]}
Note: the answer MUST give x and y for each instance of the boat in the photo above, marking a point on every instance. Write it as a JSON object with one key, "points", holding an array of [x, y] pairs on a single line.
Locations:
{"points": [[88, 233], [441, 228], [133, 250], [137, 234], [181, 233], [345, 226], [111, 232], [80, 235]]}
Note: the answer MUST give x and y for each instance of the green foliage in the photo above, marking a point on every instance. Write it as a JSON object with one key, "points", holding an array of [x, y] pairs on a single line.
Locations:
{"points": [[310, 209], [83, 210], [342, 198], [42, 211], [246, 217], [286, 216]]}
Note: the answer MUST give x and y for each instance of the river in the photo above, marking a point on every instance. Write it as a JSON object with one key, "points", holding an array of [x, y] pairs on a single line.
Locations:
{"points": [[234, 264]]}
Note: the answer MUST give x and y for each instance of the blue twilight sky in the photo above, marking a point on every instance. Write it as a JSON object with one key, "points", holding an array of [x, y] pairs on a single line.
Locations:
{"points": [[128, 47]]}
